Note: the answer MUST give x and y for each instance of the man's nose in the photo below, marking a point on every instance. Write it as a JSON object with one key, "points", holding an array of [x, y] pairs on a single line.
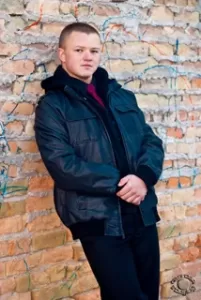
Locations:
{"points": [[87, 55]]}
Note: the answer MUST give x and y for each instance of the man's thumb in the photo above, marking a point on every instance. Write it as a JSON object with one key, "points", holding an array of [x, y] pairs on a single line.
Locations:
{"points": [[124, 180]]}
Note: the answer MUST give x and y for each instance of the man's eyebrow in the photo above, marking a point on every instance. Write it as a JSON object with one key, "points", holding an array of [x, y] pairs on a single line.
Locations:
{"points": [[85, 47]]}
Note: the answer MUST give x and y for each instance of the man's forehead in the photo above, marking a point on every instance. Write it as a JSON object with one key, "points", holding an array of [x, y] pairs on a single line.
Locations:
{"points": [[83, 39]]}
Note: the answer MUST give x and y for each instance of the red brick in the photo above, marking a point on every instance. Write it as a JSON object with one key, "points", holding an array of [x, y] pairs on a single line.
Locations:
{"points": [[192, 211], [173, 183], [60, 291], [91, 295], [78, 252], [9, 209], [39, 203], [197, 194], [8, 107], [17, 296], [197, 180], [50, 256], [185, 181], [11, 225], [14, 247], [161, 49], [9, 49], [51, 8], [52, 274], [12, 146], [2, 269], [167, 231], [187, 17], [23, 283], [23, 146], [24, 109], [58, 254], [161, 14], [167, 214], [28, 146], [17, 109], [33, 87], [33, 166], [175, 132], [7, 285], [183, 83], [47, 222], [161, 185], [12, 171], [169, 261], [15, 127], [164, 199], [39, 278], [183, 115], [48, 240], [105, 10], [196, 83], [40, 183], [55, 28], [15, 267], [194, 115], [185, 50], [167, 164], [19, 67], [190, 254]]}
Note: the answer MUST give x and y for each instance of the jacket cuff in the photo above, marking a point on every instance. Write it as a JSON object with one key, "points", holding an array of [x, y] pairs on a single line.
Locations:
{"points": [[147, 175]]}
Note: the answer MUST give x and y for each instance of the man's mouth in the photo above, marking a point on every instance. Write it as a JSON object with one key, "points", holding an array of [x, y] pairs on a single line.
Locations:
{"points": [[87, 66]]}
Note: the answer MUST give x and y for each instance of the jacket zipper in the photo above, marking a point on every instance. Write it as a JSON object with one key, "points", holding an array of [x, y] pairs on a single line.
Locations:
{"points": [[113, 156], [114, 159], [105, 129]]}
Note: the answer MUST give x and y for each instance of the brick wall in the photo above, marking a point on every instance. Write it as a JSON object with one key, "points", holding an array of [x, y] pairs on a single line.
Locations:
{"points": [[154, 49]]}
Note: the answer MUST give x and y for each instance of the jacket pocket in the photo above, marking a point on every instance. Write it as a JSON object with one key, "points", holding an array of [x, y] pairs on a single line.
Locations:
{"points": [[92, 203], [82, 127], [128, 117]]}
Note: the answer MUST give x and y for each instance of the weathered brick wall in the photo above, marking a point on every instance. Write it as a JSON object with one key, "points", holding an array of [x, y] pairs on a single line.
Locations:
{"points": [[154, 48]]}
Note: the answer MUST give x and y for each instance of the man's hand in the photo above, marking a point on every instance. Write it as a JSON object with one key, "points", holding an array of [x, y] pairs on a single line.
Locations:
{"points": [[134, 190]]}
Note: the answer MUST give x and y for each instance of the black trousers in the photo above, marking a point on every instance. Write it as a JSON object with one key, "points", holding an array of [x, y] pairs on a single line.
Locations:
{"points": [[126, 269]]}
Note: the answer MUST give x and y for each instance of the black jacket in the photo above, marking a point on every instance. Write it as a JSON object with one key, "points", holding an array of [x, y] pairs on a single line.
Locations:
{"points": [[76, 148]]}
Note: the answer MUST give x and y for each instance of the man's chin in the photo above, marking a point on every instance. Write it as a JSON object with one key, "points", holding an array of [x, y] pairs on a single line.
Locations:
{"points": [[86, 75]]}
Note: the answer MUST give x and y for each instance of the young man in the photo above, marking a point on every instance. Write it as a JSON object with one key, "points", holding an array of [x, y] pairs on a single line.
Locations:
{"points": [[105, 161]]}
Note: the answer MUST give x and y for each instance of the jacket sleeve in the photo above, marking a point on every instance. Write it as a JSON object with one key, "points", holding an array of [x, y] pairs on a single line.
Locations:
{"points": [[69, 171], [150, 162]]}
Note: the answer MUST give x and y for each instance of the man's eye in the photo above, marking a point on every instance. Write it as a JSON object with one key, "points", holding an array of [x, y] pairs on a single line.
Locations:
{"points": [[78, 50], [94, 51]]}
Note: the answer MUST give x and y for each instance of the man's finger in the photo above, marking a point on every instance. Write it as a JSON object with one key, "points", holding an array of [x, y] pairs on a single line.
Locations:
{"points": [[137, 200], [129, 195], [126, 189], [124, 180], [134, 200]]}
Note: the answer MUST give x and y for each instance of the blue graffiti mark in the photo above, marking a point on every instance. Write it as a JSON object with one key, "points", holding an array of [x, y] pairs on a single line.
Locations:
{"points": [[6, 189], [177, 47], [3, 141], [15, 55]]}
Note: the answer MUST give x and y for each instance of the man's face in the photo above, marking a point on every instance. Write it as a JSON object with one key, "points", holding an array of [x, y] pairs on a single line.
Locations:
{"points": [[80, 55]]}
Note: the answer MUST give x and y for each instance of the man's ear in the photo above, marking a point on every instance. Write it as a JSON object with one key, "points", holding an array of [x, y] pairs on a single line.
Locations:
{"points": [[61, 55]]}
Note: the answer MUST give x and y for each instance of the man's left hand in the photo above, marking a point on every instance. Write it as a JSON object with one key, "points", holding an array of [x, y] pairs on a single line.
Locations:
{"points": [[134, 189]]}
